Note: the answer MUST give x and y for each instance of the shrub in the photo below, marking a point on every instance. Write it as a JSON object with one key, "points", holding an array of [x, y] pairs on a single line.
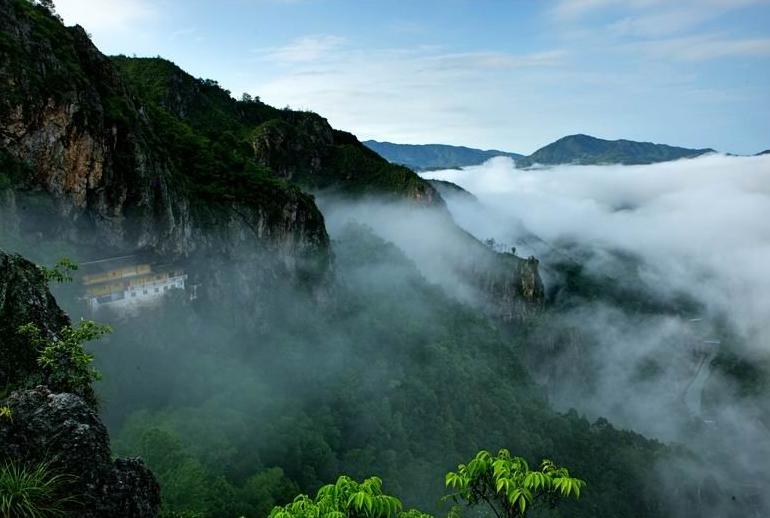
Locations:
{"points": [[33, 492]]}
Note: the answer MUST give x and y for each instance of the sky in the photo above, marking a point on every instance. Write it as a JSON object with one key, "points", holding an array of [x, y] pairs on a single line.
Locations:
{"points": [[504, 74]]}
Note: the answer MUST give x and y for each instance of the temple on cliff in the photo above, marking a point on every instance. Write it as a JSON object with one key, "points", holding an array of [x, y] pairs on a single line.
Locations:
{"points": [[124, 282]]}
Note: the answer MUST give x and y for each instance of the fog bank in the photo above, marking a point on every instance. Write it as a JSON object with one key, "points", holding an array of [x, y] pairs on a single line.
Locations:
{"points": [[681, 349], [701, 225]]}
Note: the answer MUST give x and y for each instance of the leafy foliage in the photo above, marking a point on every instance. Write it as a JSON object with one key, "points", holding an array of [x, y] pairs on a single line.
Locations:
{"points": [[508, 486], [33, 492], [65, 365], [344, 499], [395, 378], [61, 272]]}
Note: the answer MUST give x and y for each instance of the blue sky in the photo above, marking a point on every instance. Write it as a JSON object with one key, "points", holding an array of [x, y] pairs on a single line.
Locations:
{"points": [[511, 75]]}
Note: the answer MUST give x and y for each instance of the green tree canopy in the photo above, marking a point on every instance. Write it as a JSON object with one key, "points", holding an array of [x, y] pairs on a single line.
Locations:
{"points": [[508, 486], [344, 499]]}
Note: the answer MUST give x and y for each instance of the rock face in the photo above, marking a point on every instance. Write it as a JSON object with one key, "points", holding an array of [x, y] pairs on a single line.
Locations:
{"points": [[88, 160], [512, 288], [63, 431], [118, 156], [60, 429], [24, 298]]}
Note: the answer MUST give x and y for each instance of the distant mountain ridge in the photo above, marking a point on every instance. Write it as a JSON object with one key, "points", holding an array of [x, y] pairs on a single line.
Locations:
{"points": [[425, 157], [587, 150]]}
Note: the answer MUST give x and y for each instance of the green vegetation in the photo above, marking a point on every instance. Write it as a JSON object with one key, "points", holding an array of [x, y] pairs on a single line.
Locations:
{"points": [[49, 36], [61, 272], [65, 365], [428, 157], [218, 142], [33, 492], [12, 172], [344, 499], [507, 486], [394, 377], [587, 150], [504, 484]]}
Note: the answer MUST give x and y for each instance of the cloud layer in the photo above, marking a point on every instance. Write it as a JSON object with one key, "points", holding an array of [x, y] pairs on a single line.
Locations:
{"points": [[689, 220], [696, 228]]}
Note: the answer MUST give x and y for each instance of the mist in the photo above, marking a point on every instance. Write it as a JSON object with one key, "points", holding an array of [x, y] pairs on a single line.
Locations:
{"points": [[676, 342], [700, 225], [399, 367]]}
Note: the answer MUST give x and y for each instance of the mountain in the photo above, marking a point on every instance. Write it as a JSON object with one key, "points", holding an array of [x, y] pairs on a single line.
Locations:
{"points": [[588, 150], [89, 160], [108, 156], [448, 190], [765, 152], [425, 157]]}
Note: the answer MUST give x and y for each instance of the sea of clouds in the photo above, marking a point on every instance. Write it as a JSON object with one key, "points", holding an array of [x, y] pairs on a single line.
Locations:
{"points": [[696, 227], [701, 225]]}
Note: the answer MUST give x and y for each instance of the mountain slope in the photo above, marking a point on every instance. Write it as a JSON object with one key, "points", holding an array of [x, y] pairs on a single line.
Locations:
{"points": [[298, 147], [588, 150], [115, 156], [109, 173], [425, 157]]}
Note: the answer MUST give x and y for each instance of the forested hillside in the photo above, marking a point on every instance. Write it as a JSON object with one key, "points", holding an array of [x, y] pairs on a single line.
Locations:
{"points": [[426, 157], [588, 150]]}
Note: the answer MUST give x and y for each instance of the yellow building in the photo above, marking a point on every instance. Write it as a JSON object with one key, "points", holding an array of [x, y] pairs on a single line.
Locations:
{"points": [[119, 282]]}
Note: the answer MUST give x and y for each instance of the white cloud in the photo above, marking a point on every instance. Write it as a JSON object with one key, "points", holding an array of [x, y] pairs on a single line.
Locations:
{"points": [[701, 223], [695, 227], [574, 9], [305, 49], [107, 15], [500, 60], [702, 48], [570, 9], [401, 94], [649, 18]]}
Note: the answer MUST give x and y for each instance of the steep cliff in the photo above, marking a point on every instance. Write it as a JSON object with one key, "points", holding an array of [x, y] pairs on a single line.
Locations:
{"points": [[59, 429], [121, 176], [124, 155], [23, 299], [300, 147]]}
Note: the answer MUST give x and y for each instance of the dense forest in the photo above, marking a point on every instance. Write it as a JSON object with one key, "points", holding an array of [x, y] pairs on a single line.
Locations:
{"points": [[393, 378]]}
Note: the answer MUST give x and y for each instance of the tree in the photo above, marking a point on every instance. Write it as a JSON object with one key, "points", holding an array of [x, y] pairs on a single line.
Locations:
{"points": [[344, 499], [61, 271], [508, 486], [504, 483], [65, 364]]}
